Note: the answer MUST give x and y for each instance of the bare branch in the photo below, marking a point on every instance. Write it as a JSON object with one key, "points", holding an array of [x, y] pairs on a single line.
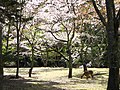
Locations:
{"points": [[27, 39], [59, 53], [73, 34], [99, 13], [56, 37], [68, 33]]}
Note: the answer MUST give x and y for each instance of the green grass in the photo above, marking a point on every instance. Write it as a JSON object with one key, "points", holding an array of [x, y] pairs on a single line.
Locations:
{"points": [[55, 79]]}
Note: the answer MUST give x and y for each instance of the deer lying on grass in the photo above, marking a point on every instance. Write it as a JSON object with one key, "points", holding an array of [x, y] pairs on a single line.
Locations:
{"points": [[88, 74]]}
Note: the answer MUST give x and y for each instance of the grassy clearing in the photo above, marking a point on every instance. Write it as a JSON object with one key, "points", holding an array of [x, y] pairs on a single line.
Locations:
{"points": [[55, 79]]}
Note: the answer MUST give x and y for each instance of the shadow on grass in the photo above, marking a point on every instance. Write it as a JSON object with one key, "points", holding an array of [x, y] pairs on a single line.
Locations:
{"points": [[98, 78], [98, 75], [27, 84], [101, 73]]}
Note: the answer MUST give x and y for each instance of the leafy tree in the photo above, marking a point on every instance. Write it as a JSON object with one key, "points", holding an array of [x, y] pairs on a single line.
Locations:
{"points": [[112, 24], [19, 22], [67, 27], [13, 16], [90, 43], [32, 35], [70, 26], [11, 11], [18, 17], [3, 15]]}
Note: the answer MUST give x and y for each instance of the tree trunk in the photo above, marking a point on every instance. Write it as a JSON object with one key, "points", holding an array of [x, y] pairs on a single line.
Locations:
{"points": [[113, 81], [84, 67], [17, 72], [112, 26], [30, 71], [112, 33], [32, 62], [1, 60], [70, 68], [70, 64]]}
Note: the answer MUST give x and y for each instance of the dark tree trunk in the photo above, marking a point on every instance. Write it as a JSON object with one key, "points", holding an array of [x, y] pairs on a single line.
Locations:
{"points": [[112, 33], [112, 25], [30, 71], [17, 62], [18, 28], [1, 60], [113, 81], [84, 67], [70, 68], [32, 62], [70, 63]]}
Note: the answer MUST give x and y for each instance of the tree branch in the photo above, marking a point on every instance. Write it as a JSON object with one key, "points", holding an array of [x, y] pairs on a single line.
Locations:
{"points": [[73, 34], [99, 13], [27, 39], [60, 54], [56, 37], [68, 33]]}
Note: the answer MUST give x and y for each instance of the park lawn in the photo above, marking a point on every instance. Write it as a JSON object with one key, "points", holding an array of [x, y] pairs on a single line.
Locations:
{"points": [[46, 78]]}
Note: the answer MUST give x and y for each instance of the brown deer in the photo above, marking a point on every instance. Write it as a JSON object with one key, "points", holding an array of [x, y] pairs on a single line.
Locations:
{"points": [[88, 74]]}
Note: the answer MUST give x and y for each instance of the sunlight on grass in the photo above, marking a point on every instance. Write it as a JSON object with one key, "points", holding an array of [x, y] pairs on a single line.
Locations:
{"points": [[56, 79]]}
